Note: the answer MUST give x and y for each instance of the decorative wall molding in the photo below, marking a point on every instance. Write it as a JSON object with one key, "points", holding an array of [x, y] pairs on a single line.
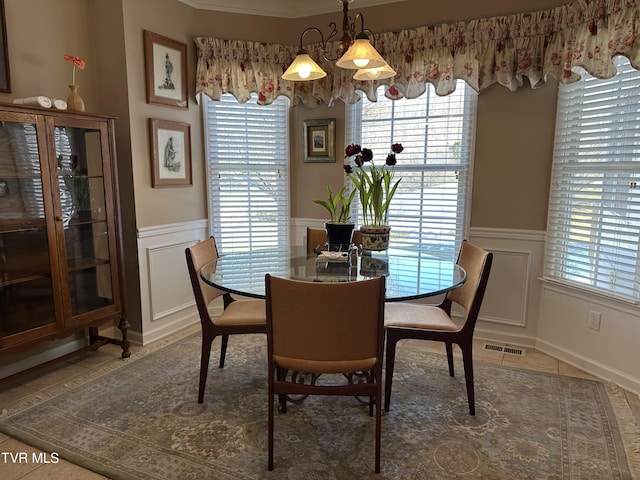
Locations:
{"points": [[510, 309], [509, 234], [162, 230], [280, 8], [507, 297], [165, 289]]}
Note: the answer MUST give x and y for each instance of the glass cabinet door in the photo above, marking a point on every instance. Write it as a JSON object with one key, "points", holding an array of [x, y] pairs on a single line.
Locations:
{"points": [[81, 183], [26, 284]]}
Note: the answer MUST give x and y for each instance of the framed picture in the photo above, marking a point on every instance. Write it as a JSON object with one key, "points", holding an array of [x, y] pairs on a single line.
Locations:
{"points": [[165, 70], [319, 140], [170, 153], [5, 81]]}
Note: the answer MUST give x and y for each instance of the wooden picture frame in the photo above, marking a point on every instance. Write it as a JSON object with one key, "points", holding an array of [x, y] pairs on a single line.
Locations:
{"points": [[165, 70], [170, 153], [319, 140], [5, 79]]}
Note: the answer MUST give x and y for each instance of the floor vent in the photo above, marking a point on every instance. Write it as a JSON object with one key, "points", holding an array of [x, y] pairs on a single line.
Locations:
{"points": [[509, 350]]}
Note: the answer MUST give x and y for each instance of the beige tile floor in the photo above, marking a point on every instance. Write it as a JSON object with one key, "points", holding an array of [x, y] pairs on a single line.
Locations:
{"points": [[63, 470]]}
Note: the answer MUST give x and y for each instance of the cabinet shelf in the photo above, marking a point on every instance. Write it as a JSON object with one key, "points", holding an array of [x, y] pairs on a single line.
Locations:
{"points": [[14, 278], [9, 175], [85, 263], [21, 225]]}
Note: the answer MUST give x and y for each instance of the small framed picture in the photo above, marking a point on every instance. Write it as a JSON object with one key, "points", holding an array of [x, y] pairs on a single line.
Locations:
{"points": [[165, 70], [319, 140], [170, 153]]}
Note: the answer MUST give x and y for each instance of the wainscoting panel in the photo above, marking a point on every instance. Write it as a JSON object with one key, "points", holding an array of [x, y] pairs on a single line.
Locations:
{"points": [[506, 298], [169, 285], [165, 288], [510, 308]]}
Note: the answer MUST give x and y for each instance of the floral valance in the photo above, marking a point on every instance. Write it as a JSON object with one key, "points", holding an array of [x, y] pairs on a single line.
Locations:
{"points": [[482, 52]]}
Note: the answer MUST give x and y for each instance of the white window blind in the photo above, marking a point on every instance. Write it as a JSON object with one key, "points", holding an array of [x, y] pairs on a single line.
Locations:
{"points": [[247, 173], [429, 210], [593, 226]]}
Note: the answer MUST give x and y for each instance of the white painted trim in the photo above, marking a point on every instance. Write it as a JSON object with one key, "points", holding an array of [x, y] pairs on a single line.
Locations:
{"points": [[615, 303], [508, 234], [597, 369], [161, 254], [526, 273], [282, 8], [521, 340], [159, 230]]}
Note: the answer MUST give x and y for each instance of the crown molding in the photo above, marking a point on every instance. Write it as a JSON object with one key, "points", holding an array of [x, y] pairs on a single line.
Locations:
{"points": [[280, 8]]}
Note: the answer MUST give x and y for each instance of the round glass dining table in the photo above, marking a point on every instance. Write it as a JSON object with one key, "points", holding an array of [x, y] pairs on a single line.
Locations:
{"points": [[409, 275]]}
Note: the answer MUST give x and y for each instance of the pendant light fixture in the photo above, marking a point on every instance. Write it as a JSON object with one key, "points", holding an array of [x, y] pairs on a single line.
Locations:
{"points": [[378, 73], [356, 53]]}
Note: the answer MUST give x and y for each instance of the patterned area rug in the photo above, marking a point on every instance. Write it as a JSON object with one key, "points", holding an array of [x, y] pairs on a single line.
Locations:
{"points": [[140, 419]]}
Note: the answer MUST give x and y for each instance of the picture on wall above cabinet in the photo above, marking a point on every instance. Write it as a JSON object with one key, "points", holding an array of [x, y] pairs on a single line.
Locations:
{"points": [[170, 153], [5, 82], [319, 143], [165, 70]]}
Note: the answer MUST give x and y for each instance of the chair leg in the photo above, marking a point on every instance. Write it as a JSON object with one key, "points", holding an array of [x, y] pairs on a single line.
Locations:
{"points": [[205, 355], [223, 349], [467, 360], [378, 433], [270, 428], [449, 347], [391, 359], [282, 398]]}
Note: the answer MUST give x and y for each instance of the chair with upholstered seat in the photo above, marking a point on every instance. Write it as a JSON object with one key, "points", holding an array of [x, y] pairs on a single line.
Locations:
{"points": [[321, 329], [433, 322], [317, 239], [238, 317]]}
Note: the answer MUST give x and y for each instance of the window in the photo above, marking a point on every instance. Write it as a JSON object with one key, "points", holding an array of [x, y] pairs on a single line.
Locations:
{"points": [[593, 227], [429, 209], [247, 173]]}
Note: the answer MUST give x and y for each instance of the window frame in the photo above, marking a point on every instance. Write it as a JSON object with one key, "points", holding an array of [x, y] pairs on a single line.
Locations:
{"points": [[260, 236], [421, 241], [593, 165]]}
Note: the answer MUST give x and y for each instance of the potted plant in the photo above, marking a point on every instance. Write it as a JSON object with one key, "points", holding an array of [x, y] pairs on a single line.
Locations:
{"points": [[339, 228], [376, 190]]}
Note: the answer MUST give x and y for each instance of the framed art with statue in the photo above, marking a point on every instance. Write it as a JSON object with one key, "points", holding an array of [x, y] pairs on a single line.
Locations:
{"points": [[170, 153]]}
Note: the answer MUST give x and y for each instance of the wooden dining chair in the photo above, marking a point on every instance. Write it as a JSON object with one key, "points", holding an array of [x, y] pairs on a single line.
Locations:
{"points": [[433, 322], [321, 329], [238, 317], [317, 239]]}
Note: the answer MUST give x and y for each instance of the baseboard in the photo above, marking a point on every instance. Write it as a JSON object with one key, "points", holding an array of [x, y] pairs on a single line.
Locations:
{"points": [[166, 329], [501, 337], [596, 369]]}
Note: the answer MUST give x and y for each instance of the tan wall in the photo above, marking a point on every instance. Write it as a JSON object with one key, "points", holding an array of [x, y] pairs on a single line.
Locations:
{"points": [[39, 34], [514, 141], [514, 137]]}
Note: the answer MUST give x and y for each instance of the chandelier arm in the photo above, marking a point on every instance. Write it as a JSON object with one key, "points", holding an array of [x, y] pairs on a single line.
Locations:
{"points": [[365, 33], [323, 47]]}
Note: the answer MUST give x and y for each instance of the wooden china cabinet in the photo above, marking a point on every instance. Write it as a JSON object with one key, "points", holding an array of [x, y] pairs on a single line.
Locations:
{"points": [[61, 267]]}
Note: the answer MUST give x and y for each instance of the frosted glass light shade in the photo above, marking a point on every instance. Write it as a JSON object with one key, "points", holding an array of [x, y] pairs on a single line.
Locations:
{"points": [[378, 73], [361, 55], [303, 68]]}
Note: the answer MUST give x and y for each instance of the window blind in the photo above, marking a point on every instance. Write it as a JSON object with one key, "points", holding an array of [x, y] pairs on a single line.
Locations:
{"points": [[247, 173], [593, 227], [429, 210]]}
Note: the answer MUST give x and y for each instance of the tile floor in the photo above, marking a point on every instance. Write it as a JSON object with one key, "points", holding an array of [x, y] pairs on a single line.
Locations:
{"points": [[63, 470]]}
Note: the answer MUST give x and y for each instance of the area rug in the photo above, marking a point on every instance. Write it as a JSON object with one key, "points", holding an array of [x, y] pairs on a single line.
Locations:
{"points": [[140, 420]]}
